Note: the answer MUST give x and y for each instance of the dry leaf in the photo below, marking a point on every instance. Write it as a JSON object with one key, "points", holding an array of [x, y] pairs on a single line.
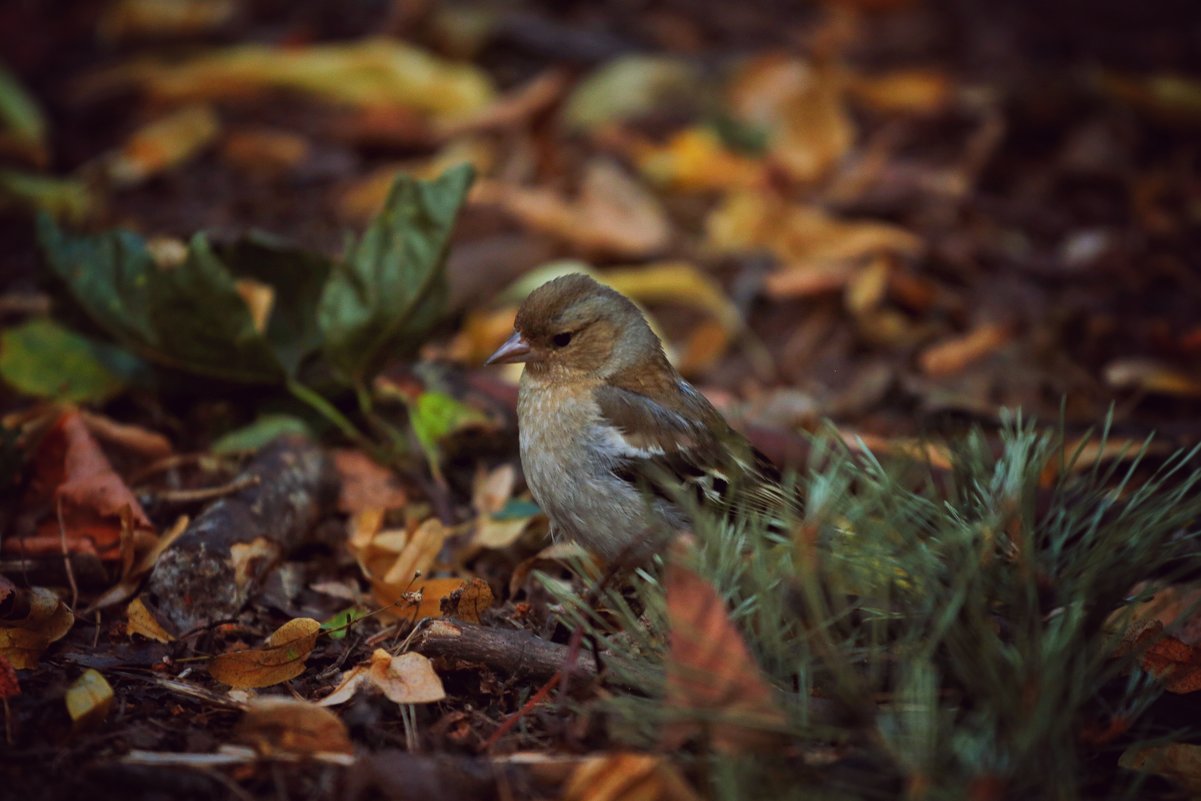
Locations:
{"points": [[695, 160], [259, 298], [557, 554], [1179, 763], [614, 215], [89, 699], [155, 19], [140, 620], [366, 484], [800, 106], [133, 572], [713, 682], [275, 726], [418, 554], [266, 151], [405, 679], [955, 354], [627, 776], [365, 72], [142, 441], [40, 619], [1150, 376], [163, 144], [913, 90], [282, 658]]}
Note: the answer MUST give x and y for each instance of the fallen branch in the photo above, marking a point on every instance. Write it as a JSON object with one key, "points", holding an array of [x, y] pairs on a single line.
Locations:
{"points": [[514, 652]]}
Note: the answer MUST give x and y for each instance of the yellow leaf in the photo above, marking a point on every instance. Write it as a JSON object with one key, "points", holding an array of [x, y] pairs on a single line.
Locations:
{"points": [[695, 160], [282, 658], [141, 621], [89, 699], [418, 553], [627, 776], [913, 90], [163, 144]]}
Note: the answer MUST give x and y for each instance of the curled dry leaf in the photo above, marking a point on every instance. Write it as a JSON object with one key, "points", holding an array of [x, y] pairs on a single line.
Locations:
{"points": [[713, 682], [619, 776], [276, 726], [614, 215], [89, 699], [405, 679], [163, 144], [282, 657], [32, 619], [394, 559]]}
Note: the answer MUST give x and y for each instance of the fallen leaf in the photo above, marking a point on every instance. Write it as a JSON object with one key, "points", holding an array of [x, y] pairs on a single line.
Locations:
{"points": [[625, 776], [162, 145], [955, 354], [43, 359], [630, 86], [366, 484], [713, 682], [908, 90], [257, 434], [696, 160], [1147, 375], [405, 679], [282, 658], [89, 699], [291, 726], [558, 554], [365, 72], [418, 553], [1179, 763], [32, 620], [337, 626], [140, 620], [22, 124], [801, 106], [265, 151], [155, 19], [491, 490], [613, 215]]}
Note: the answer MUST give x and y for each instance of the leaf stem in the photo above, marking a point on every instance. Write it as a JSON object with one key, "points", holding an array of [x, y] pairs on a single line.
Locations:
{"points": [[330, 413]]}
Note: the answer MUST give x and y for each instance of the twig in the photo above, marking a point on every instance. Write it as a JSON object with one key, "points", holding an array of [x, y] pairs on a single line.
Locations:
{"points": [[62, 538], [207, 493], [509, 723]]}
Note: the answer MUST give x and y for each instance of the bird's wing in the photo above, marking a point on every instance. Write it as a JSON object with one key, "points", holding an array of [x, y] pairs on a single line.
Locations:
{"points": [[691, 446]]}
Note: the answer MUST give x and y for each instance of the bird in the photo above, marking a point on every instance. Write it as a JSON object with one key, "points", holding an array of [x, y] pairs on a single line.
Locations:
{"points": [[617, 448]]}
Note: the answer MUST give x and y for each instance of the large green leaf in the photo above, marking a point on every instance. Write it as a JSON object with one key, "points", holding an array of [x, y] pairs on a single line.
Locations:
{"points": [[43, 359], [189, 316], [390, 290]]}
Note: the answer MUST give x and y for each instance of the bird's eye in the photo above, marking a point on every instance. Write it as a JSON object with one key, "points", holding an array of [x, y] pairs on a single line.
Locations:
{"points": [[562, 340]]}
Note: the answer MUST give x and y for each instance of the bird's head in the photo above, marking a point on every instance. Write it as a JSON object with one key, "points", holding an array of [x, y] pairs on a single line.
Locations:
{"points": [[573, 326]]}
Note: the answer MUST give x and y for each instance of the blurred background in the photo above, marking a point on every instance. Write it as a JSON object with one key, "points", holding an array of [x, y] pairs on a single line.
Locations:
{"points": [[901, 215]]}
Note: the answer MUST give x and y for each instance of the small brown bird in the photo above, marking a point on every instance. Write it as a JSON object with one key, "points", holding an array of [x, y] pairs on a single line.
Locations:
{"points": [[612, 437]]}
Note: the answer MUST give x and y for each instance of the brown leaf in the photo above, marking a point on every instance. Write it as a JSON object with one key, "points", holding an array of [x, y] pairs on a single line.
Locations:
{"points": [[1180, 763], [37, 619], [469, 601], [613, 215], [71, 475], [911, 90], [282, 658], [713, 682], [955, 354], [1147, 375], [366, 484], [274, 726], [142, 441], [163, 144], [623, 776], [695, 160], [405, 679]]}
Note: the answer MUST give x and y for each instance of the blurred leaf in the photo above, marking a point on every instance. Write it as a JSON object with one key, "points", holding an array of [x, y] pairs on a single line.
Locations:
{"points": [[140, 620], [89, 699], [162, 144], [61, 198], [695, 160], [266, 428], [22, 124], [282, 657], [1148, 375], [630, 86], [1179, 763], [367, 72], [384, 297], [160, 19], [367, 484], [292, 726], [1174, 98], [913, 91], [189, 316], [801, 107], [625, 776], [43, 359], [955, 354]]}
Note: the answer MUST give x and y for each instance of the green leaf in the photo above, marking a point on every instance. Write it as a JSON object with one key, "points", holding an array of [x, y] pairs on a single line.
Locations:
{"points": [[435, 415], [298, 277], [257, 434], [63, 198], [390, 290], [630, 86], [189, 316], [43, 359], [20, 117], [339, 624]]}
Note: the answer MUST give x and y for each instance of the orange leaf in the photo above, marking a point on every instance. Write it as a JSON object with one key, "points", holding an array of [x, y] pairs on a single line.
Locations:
{"points": [[957, 353], [281, 659], [366, 484], [712, 679], [620, 776], [292, 726]]}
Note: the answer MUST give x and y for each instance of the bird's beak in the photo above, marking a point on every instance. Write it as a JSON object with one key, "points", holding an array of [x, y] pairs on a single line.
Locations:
{"points": [[515, 350]]}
